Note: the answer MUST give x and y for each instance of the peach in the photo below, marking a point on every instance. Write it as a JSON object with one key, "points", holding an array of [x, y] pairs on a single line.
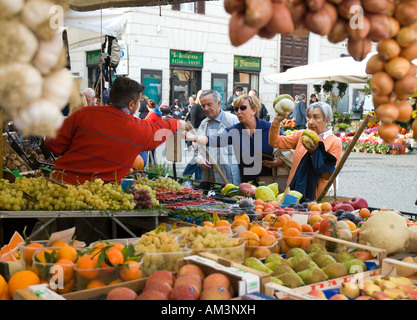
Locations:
{"points": [[216, 293], [318, 294], [267, 240], [252, 239], [164, 275], [190, 278], [121, 293], [185, 291], [191, 268], [329, 215], [260, 253], [151, 295], [217, 279], [159, 285]]}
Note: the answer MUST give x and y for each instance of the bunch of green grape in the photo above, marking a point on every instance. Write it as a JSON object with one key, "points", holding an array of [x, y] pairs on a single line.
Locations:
{"points": [[39, 193], [161, 252], [151, 192], [160, 183], [205, 238], [11, 198]]}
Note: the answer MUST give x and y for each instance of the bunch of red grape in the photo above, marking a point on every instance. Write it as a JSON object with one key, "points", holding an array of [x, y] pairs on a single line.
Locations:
{"points": [[142, 198]]}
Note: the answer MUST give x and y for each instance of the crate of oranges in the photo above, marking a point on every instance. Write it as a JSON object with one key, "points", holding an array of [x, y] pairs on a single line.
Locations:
{"points": [[28, 249], [107, 263]]}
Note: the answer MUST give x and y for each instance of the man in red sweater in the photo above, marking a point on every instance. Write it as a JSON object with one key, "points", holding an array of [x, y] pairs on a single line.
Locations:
{"points": [[103, 141]]}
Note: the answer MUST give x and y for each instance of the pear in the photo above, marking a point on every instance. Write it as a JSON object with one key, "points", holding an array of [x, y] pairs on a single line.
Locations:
{"points": [[370, 289], [395, 294], [350, 290], [400, 280], [387, 284]]}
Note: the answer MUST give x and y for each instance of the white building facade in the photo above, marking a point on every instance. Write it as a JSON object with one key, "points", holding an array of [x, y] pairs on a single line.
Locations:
{"points": [[177, 50]]}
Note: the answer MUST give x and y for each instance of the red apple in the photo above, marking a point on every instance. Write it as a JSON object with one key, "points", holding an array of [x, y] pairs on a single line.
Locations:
{"points": [[358, 203]]}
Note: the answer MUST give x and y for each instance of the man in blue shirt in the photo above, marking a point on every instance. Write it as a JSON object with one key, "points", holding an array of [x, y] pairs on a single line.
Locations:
{"points": [[299, 112]]}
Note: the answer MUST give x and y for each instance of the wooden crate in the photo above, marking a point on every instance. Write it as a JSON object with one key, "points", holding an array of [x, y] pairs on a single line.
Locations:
{"points": [[281, 292]]}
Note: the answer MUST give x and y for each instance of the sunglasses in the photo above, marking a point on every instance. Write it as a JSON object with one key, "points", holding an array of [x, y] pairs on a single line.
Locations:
{"points": [[242, 108]]}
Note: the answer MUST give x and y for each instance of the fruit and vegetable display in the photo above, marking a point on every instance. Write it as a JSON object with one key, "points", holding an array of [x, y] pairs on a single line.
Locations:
{"points": [[38, 83], [392, 25]]}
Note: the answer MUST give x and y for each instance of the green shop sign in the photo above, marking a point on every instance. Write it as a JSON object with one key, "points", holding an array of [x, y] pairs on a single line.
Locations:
{"points": [[242, 63], [185, 58], [93, 57]]}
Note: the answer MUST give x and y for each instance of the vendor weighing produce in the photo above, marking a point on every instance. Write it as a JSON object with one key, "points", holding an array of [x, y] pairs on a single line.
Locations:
{"points": [[104, 141]]}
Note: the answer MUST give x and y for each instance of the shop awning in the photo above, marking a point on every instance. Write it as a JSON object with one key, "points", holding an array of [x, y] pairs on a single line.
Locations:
{"points": [[91, 5], [345, 70]]}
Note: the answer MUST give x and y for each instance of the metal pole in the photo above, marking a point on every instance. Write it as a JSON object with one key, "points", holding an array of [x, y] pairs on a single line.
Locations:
{"points": [[344, 157]]}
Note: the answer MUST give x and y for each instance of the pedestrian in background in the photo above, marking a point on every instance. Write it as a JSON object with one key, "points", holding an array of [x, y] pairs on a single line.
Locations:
{"points": [[299, 112], [313, 98], [263, 112], [237, 91]]}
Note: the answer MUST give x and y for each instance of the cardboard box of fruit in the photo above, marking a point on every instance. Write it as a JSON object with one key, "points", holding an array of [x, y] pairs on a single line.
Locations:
{"points": [[390, 284], [228, 280], [315, 268]]}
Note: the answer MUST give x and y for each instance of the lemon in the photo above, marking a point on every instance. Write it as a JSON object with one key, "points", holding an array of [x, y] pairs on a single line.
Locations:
{"points": [[227, 187]]}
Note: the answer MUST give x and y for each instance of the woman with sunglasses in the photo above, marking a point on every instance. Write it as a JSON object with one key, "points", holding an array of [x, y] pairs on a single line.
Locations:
{"points": [[312, 164], [249, 139]]}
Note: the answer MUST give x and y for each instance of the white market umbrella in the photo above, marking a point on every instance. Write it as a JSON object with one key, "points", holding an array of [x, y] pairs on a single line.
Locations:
{"points": [[344, 69], [111, 22]]}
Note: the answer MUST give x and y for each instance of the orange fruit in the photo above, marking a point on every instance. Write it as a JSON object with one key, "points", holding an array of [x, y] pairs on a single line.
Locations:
{"points": [[208, 223], [67, 252], [239, 222], [68, 286], [3, 285], [222, 223], [41, 257], [138, 163], [95, 283], [115, 281], [130, 272], [351, 225], [292, 224], [119, 246], [29, 251], [306, 228], [67, 269], [59, 243], [326, 207], [21, 280], [267, 240], [329, 215], [364, 213], [114, 256], [286, 216], [100, 245], [86, 266], [305, 242], [260, 231], [292, 237]]}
